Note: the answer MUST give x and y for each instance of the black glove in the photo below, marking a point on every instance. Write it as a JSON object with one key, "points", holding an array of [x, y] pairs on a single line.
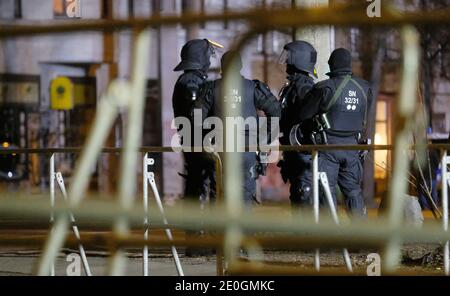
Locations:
{"points": [[362, 153], [260, 168]]}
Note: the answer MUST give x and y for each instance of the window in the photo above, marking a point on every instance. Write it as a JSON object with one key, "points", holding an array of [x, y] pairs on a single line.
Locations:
{"points": [[355, 37], [18, 9], [381, 138]]}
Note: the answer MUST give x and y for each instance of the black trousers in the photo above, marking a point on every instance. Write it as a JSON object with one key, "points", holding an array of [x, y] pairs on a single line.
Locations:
{"points": [[299, 170], [344, 169], [248, 183], [200, 175]]}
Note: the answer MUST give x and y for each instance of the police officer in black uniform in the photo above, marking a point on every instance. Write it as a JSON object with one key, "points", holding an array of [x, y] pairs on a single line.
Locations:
{"points": [[300, 58], [252, 95], [339, 105], [195, 62]]}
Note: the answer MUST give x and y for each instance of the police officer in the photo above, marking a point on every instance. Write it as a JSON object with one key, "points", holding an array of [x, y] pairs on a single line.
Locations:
{"points": [[300, 58], [251, 95], [199, 166], [339, 105], [195, 62]]}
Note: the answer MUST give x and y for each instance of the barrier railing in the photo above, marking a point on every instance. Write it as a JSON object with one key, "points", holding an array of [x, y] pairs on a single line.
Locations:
{"points": [[302, 241], [148, 178]]}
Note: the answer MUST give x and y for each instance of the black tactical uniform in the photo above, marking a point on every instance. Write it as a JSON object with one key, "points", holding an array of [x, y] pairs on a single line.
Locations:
{"points": [[252, 95], [199, 166], [345, 99], [296, 166]]}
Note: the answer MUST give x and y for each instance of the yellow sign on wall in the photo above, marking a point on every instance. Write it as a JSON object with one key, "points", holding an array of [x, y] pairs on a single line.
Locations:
{"points": [[61, 94]]}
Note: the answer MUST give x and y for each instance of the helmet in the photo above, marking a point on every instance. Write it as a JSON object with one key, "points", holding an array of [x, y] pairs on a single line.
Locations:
{"points": [[301, 55], [196, 54]]}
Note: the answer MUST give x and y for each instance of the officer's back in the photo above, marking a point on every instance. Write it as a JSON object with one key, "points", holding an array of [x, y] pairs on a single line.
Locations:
{"points": [[340, 105], [195, 62], [344, 98], [244, 95], [186, 90], [240, 94]]}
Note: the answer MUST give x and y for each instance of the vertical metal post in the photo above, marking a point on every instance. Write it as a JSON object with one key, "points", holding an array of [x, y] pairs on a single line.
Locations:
{"points": [[149, 178], [446, 258], [326, 187], [445, 184], [406, 108], [219, 202], [133, 138], [75, 230], [315, 176], [145, 204], [52, 201], [232, 177], [176, 258]]}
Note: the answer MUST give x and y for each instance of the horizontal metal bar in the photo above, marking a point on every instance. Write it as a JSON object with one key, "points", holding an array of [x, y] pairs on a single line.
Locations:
{"points": [[28, 224], [111, 241], [78, 150], [265, 268], [286, 242], [218, 219], [242, 267], [270, 269], [274, 18], [158, 149]]}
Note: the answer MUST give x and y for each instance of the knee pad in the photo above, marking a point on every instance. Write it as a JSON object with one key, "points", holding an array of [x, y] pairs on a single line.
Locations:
{"points": [[306, 194]]}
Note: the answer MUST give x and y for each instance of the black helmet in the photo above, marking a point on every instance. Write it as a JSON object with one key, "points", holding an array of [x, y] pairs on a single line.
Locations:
{"points": [[195, 55], [301, 55], [226, 59], [340, 60]]}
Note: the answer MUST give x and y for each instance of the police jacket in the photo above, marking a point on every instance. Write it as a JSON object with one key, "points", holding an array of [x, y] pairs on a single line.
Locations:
{"points": [[186, 91], [251, 95], [291, 96], [344, 98]]}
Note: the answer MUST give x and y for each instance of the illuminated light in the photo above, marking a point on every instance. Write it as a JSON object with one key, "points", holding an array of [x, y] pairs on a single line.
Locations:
{"points": [[5, 144], [10, 174], [377, 139]]}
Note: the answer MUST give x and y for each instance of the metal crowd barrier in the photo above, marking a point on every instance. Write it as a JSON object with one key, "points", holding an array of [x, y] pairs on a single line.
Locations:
{"points": [[302, 239], [148, 178]]}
